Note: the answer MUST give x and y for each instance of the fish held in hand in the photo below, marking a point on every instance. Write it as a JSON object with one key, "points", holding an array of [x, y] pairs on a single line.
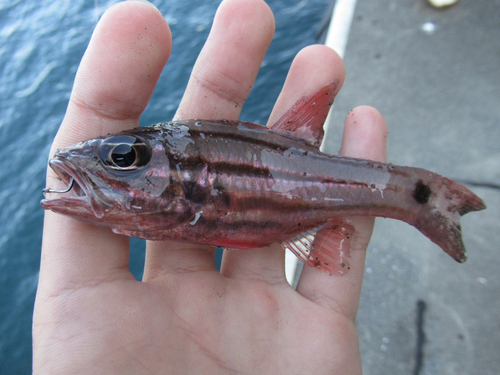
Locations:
{"points": [[241, 185]]}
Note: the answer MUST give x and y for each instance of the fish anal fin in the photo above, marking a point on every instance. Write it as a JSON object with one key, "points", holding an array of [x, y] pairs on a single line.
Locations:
{"points": [[306, 117], [326, 247]]}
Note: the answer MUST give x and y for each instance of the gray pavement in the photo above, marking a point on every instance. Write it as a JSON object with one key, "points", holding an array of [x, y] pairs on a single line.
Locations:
{"points": [[435, 76]]}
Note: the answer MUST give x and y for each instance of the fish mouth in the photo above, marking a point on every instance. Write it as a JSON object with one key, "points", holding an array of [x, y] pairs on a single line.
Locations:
{"points": [[78, 199], [68, 176]]}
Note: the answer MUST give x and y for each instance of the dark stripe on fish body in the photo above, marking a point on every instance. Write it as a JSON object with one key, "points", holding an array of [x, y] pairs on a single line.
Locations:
{"points": [[233, 132], [239, 169], [236, 157], [239, 132]]}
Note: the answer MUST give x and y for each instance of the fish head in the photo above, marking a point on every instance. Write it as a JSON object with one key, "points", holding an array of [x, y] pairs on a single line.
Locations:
{"points": [[120, 181]]}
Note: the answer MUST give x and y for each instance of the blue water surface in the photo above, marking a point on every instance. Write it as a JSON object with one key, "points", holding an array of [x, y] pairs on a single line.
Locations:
{"points": [[41, 44]]}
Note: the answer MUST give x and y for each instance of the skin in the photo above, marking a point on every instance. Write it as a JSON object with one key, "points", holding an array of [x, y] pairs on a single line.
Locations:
{"points": [[92, 316]]}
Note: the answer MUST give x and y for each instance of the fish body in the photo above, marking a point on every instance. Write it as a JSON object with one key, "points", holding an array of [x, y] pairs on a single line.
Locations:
{"points": [[242, 185]]}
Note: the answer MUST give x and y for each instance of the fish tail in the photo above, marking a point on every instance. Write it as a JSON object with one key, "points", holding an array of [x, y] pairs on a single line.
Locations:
{"points": [[443, 202]]}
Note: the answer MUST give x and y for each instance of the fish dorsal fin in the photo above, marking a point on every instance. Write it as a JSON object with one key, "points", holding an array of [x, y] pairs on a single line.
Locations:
{"points": [[305, 118], [326, 247]]}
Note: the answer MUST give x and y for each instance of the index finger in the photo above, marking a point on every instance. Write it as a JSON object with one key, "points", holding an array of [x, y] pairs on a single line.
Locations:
{"points": [[114, 82]]}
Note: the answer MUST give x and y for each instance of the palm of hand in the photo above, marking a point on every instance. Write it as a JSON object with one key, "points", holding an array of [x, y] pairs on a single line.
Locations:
{"points": [[200, 322]]}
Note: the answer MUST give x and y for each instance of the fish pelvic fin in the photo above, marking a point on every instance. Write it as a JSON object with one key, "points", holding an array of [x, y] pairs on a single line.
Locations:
{"points": [[444, 201], [306, 117], [326, 248]]}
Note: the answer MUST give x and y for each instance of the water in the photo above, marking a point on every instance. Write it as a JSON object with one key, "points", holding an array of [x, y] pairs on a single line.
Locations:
{"points": [[41, 45]]}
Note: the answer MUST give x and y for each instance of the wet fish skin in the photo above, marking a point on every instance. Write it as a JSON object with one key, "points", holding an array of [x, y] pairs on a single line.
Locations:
{"points": [[242, 185]]}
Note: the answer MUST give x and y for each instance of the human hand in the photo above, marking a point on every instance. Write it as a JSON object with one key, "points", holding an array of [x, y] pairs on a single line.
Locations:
{"points": [[91, 315]]}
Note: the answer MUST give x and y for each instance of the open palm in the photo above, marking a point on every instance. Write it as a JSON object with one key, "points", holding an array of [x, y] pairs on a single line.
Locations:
{"points": [[92, 316]]}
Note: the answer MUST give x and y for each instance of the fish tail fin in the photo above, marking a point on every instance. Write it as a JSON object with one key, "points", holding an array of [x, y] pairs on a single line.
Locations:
{"points": [[443, 203]]}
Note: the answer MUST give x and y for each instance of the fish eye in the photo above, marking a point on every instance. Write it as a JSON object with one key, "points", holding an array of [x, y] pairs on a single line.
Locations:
{"points": [[124, 152]]}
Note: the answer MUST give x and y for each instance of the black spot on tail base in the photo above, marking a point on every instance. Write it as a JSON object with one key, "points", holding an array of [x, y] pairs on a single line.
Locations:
{"points": [[422, 192]]}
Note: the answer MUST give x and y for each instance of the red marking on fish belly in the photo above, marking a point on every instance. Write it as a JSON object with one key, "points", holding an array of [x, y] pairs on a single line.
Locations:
{"points": [[234, 244]]}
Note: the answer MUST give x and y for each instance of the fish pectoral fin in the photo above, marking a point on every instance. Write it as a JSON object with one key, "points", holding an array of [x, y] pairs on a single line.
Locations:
{"points": [[306, 117], [326, 247]]}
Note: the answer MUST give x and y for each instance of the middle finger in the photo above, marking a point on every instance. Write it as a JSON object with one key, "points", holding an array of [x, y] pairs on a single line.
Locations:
{"points": [[219, 84]]}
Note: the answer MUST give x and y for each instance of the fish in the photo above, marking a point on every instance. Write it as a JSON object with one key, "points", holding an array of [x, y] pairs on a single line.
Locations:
{"points": [[241, 185]]}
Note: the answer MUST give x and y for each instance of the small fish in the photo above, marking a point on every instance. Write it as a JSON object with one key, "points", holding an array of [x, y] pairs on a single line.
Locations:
{"points": [[242, 185]]}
